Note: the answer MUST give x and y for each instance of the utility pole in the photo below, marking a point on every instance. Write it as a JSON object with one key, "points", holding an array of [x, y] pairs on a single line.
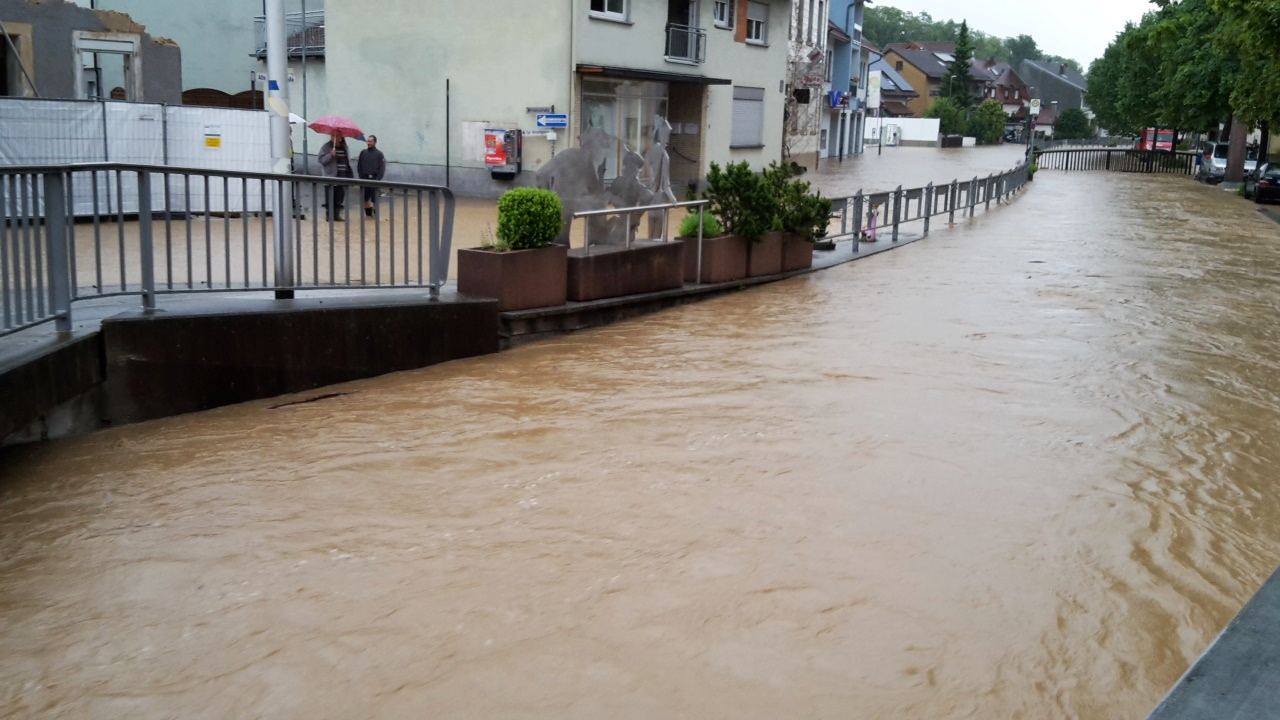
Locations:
{"points": [[277, 106]]}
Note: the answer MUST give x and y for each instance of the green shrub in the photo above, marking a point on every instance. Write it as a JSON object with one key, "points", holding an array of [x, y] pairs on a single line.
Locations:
{"points": [[528, 218], [988, 122], [800, 211], [710, 226], [741, 200]]}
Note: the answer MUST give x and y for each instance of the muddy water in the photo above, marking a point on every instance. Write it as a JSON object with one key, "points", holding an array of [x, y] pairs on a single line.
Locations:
{"points": [[1022, 469]]}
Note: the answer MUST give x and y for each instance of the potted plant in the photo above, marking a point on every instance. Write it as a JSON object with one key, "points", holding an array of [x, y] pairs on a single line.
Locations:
{"points": [[744, 208], [521, 267], [804, 217]]}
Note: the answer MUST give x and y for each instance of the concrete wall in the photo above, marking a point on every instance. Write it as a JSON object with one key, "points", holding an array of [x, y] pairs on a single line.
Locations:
{"points": [[217, 38], [53, 60]]}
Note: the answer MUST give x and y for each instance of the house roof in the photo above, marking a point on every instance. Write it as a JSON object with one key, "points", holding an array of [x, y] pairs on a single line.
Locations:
{"points": [[1063, 72], [890, 80], [835, 32], [895, 108], [926, 61]]}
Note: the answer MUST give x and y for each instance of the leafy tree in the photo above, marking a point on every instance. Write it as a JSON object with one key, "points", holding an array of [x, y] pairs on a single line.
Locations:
{"points": [[1196, 75], [1022, 48], [956, 84], [1072, 124], [988, 123], [1254, 35], [951, 115]]}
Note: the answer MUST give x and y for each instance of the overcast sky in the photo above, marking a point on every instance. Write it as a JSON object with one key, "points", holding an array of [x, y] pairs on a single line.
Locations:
{"points": [[1079, 29]]}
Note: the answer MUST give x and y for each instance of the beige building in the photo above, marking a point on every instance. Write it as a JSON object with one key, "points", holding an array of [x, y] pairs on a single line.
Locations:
{"points": [[429, 76]]}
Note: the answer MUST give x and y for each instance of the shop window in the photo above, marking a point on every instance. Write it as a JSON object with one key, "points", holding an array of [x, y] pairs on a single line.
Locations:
{"points": [[611, 9], [748, 117], [625, 109], [757, 23], [723, 12]]}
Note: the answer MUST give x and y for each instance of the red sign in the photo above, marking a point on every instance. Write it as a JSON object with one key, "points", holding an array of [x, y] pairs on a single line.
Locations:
{"points": [[495, 151]]}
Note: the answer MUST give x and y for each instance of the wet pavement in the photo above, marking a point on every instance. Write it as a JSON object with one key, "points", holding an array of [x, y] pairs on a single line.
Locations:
{"points": [[1020, 469]]}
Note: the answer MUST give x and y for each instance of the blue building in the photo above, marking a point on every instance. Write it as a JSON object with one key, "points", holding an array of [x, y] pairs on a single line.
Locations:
{"points": [[847, 78]]}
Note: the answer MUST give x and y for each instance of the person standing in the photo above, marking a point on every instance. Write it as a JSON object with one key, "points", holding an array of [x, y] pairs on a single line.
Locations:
{"points": [[372, 165], [335, 162]]}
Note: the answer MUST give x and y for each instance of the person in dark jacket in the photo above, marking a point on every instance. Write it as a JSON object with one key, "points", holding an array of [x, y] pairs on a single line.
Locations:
{"points": [[335, 162], [372, 165]]}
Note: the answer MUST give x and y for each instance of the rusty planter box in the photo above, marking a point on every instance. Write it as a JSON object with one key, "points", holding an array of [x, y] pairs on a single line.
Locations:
{"points": [[519, 279], [616, 271], [724, 259], [797, 253], [765, 256]]}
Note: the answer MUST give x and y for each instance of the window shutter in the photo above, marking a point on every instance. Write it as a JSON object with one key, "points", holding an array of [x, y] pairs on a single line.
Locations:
{"points": [[748, 117]]}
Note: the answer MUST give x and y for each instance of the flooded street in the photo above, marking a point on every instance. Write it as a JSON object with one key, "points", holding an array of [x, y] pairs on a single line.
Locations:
{"points": [[1021, 469]]}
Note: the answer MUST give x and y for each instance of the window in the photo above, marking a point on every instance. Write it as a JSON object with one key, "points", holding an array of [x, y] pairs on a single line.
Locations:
{"points": [[757, 22], [822, 36], [612, 9], [107, 65], [831, 60], [897, 65], [724, 12], [748, 117], [812, 22], [1017, 94]]}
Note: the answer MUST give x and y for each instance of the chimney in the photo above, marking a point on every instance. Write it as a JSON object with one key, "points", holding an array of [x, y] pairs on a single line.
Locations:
{"points": [[1062, 69]]}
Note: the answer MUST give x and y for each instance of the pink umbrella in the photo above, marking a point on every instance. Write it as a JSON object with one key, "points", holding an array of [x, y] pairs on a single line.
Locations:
{"points": [[330, 123]]}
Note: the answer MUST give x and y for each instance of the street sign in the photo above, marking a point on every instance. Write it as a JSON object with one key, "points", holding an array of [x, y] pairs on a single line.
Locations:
{"points": [[540, 109], [1035, 107], [553, 121]]}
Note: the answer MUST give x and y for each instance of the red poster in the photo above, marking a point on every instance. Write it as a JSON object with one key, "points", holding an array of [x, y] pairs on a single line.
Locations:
{"points": [[495, 152]]}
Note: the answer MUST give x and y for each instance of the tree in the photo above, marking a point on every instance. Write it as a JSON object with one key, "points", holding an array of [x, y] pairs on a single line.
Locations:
{"points": [[988, 123], [956, 84], [1072, 124], [1022, 48], [1254, 36], [951, 115]]}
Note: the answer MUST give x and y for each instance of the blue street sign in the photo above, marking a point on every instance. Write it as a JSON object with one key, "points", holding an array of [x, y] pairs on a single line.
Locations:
{"points": [[553, 121]]}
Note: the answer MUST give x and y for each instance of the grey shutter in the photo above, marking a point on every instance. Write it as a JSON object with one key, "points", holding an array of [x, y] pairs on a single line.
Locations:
{"points": [[748, 116]]}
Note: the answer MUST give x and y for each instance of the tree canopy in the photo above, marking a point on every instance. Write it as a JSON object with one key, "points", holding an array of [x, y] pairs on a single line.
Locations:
{"points": [[988, 122], [951, 115], [1190, 64], [884, 25], [1072, 124], [956, 83]]}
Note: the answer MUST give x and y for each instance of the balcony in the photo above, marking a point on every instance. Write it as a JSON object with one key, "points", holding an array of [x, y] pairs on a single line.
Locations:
{"points": [[686, 44], [303, 34]]}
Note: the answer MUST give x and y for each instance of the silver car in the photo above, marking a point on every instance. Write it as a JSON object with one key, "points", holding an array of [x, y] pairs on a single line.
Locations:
{"points": [[1213, 166]]}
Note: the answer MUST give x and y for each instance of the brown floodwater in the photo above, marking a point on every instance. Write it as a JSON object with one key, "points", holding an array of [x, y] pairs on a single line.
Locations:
{"points": [[1022, 469]]}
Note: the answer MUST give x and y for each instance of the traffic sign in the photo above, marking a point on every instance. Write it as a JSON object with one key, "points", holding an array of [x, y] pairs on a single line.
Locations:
{"points": [[553, 121]]}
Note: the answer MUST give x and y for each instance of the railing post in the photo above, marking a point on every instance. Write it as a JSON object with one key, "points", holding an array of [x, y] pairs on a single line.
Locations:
{"points": [[857, 219], [145, 244], [897, 211], [951, 202], [697, 278], [973, 189], [586, 235], [55, 214], [928, 202], [987, 194]]}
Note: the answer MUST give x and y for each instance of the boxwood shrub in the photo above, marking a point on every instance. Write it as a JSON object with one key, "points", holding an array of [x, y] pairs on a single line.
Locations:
{"points": [[528, 218]]}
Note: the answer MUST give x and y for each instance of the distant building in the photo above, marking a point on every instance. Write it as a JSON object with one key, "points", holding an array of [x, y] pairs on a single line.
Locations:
{"points": [[64, 51], [922, 66], [848, 61], [896, 94], [1055, 82]]}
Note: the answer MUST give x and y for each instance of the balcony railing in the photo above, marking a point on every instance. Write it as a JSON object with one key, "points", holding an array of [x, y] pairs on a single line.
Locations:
{"points": [[686, 44], [303, 33]]}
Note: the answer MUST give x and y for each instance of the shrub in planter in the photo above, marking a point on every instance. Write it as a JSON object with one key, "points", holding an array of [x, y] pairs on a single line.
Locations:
{"points": [[710, 226], [741, 200], [528, 218]]}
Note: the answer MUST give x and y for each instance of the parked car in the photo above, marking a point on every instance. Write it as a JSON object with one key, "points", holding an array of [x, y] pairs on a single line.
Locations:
{"points": [[1214, 166], [1263, 184]]}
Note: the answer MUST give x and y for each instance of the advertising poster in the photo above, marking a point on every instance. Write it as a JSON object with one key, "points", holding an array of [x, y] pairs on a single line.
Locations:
{"points": [[873, 90], [495, 152]]}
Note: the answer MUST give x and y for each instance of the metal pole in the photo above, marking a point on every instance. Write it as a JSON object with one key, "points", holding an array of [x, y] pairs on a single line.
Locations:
{"points": [[446, 132], [145, 245], [880, 132], [55, 212], [306, 161], [928, 201], [897, 211], [698, 270], [278, 108]]}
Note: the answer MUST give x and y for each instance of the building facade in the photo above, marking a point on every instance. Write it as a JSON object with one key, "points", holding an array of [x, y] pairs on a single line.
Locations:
{"points": [[849, 60], [64, 51], [429, 76]]}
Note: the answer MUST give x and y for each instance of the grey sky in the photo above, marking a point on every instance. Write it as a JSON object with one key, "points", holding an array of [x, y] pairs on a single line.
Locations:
{"points": [[1080, 30]]}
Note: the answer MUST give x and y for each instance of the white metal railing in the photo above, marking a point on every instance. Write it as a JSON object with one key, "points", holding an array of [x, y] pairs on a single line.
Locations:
{"points": [[634, 213]]}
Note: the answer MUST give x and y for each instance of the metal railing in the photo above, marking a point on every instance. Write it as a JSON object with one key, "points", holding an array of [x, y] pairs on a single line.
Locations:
{"points": [[685, 43], [77, 232], [1099, 142], [631, 217], [863, 216], [302, 32], [1138, 161]]}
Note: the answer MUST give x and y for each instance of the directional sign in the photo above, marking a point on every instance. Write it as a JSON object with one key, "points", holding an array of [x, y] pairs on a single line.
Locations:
{"points": [[553, 121]]}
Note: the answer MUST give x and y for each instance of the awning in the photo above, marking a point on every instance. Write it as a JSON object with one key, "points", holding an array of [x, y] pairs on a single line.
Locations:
{"points": [[652, 75]]}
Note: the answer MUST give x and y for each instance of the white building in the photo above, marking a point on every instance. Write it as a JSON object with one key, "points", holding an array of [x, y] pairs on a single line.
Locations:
{"points": [[809, 63], [429, 76]]}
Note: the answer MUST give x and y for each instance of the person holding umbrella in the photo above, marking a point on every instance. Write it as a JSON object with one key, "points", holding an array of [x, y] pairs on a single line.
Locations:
{"points": [[334, 159]]}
